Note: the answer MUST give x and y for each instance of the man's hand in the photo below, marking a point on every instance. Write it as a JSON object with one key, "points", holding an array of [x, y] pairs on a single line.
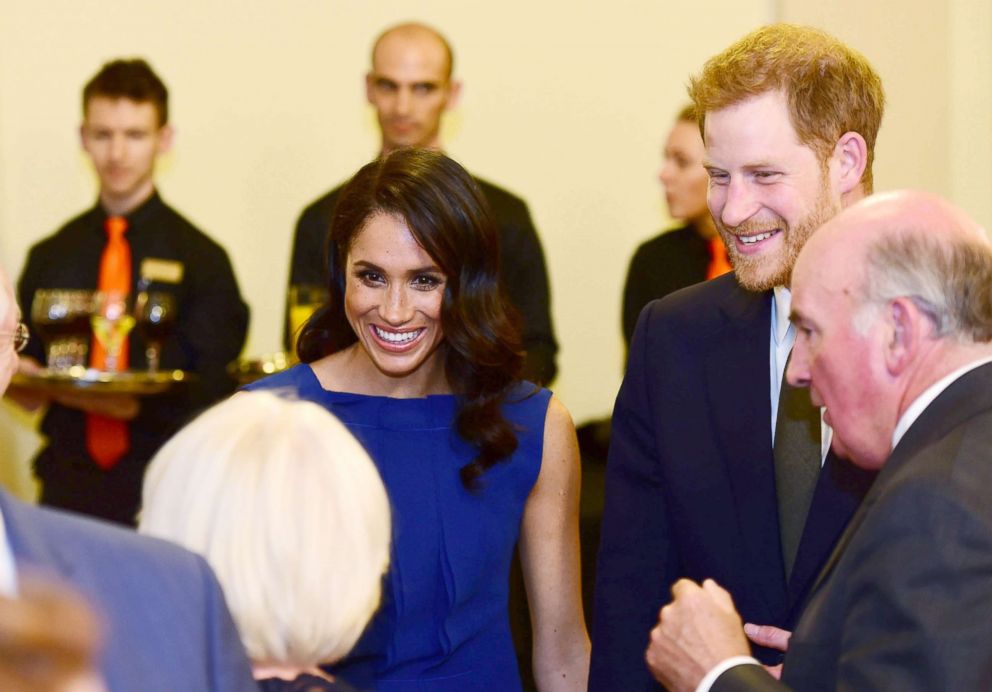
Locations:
{"points": [[772, 637], [26, 397], [696, 631], [120, 406]]}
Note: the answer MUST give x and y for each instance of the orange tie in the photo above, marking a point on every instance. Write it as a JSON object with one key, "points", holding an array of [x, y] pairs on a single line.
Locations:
{"points": [[719, 264], [107, 438]]}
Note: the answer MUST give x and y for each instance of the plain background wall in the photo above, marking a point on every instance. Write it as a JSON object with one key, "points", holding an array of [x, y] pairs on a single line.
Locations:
{"points": [[565, 103]]}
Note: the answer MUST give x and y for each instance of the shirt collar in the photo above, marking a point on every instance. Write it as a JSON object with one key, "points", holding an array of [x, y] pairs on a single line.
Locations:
{"points": [[781, 307], [137, 217], [920, 403]]}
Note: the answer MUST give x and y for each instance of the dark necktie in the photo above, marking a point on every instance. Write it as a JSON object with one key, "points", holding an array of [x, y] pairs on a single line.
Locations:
{"points": [[107, 439], [797, 465]]}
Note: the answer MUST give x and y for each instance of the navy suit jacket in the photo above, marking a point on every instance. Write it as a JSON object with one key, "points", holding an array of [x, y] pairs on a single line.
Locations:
{"points": [[904, 601], [167, 626], [690, 481]]}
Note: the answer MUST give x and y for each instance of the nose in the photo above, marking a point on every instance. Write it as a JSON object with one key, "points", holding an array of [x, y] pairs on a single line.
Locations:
{"points": [[666, 173], [116, 148], [739, 204], [396, 308], [402, 101], [797, 371]]}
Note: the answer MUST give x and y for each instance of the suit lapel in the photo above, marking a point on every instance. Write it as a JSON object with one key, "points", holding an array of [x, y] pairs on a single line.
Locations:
{"points": [[737, 388], [966, 397]]}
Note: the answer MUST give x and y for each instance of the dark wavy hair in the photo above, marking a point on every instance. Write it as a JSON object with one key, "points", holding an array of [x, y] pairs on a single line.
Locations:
{"points": [[450, 219]]}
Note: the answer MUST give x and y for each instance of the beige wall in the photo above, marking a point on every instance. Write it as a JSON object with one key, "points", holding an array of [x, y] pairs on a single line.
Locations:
{"points": [[935, 59], [565, 103]]}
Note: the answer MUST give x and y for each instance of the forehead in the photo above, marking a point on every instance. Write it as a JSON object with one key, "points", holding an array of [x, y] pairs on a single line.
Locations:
{"points": [[120, 112], [754, 131], [685, 136], [417, 56], [386, 240]]}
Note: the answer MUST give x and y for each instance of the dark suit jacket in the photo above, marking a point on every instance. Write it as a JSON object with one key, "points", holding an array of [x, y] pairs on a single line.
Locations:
{"points": [[905, 601], [690, 481], [168, 627], [521, 265]]}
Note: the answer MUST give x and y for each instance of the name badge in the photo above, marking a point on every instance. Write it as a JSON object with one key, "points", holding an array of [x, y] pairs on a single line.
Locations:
{"points": [[165, 271]]}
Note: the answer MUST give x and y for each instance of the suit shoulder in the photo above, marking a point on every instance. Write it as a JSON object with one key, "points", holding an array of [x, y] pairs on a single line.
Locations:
{"points": [[670, 241], [699, 307], [56, 239], [93, 540], [322, 207], [502, 201]]}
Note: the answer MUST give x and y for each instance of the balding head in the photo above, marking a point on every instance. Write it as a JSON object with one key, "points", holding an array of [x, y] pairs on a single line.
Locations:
{"points": [[410, 85], [420, 35], [889, 296], [916, 245]]}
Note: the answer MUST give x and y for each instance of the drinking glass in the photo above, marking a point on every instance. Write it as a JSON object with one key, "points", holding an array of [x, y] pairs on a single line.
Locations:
{"points": [[156, 316], [62, 319], [304, 299], [112, 322]]}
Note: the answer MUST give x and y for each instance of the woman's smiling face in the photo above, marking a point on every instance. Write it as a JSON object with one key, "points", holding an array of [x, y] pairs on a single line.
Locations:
{"points": [[393, 297]]}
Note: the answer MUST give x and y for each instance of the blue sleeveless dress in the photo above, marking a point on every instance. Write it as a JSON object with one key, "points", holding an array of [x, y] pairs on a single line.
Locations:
{"points": [[443, 623]]}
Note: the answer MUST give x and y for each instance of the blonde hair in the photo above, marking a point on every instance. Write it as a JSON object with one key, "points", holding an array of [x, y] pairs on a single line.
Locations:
{"points": [[290, 512], [830, 88]]}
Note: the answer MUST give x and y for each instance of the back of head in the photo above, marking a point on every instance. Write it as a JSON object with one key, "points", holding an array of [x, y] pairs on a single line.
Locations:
{"points": [[131, 79], [931, 252], [830, 88], [291, 514]]}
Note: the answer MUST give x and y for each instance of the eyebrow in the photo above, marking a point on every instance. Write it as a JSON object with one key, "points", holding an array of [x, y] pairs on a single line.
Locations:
{"points": [[432, 268]]}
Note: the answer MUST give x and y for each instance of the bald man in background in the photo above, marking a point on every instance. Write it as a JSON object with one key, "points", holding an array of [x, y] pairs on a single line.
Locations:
{"points": [[410, 86]]}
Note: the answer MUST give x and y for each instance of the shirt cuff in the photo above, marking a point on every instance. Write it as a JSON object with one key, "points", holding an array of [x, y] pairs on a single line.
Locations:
{"points": [[722, 667]]}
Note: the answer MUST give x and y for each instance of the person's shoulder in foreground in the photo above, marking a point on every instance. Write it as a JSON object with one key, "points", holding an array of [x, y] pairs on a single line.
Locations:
{"points": [[168, 627]]}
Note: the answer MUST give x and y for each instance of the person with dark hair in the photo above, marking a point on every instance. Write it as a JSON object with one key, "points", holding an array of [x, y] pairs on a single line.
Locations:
{"points": [[410, 86], [98, 443], [418, 355]]}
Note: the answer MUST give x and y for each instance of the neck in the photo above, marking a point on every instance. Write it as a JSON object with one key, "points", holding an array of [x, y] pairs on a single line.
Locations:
{"points": [[122, 205], [352, 370], [940, 361], [261, 671], [434, 144]]}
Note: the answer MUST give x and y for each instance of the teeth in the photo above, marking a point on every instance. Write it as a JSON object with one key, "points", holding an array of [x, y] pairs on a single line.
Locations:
{"points": [[396, 338], [748, 239]]}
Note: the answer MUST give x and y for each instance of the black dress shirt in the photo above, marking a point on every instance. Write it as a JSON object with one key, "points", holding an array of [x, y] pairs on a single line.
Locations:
{"points": [[211, 323], [662, 265]]}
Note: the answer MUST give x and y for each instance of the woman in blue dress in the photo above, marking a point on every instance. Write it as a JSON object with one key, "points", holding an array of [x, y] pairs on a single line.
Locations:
{"points": [[417, 354]]}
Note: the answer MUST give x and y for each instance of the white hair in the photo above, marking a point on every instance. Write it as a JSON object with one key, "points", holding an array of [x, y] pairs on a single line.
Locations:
{"points": [[289, 510]]}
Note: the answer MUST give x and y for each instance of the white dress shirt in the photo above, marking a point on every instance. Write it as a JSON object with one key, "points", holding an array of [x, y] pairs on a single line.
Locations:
{"points": [[8, 571]]}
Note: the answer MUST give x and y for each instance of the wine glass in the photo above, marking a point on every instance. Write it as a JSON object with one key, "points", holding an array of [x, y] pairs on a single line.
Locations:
{"points": [[156, 315], [62, 319], [304, 299], [112, 322]]}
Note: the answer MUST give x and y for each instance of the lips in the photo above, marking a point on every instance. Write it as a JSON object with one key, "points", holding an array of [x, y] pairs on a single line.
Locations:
{"points": [[396, 340], [755, 242]]}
